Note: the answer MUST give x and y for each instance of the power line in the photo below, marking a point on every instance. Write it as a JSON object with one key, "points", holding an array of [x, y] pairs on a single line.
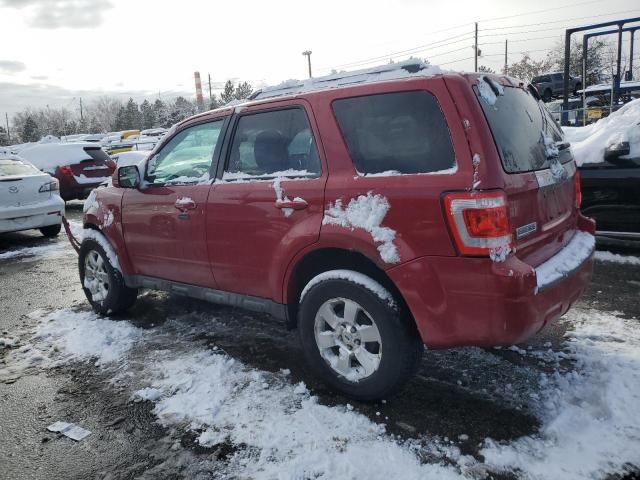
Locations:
{"points": [[540, 11], [561, 21]]}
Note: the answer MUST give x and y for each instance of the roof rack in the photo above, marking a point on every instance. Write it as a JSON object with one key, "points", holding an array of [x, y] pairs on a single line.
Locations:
{"points": [[409, 68]]}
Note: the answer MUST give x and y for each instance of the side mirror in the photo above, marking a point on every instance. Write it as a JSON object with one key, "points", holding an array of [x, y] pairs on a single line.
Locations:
{"points": [[616, 150], [128, 176]]}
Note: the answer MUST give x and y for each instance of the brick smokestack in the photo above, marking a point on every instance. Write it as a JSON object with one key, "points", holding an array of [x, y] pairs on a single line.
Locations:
{"points": [[199, 99]]}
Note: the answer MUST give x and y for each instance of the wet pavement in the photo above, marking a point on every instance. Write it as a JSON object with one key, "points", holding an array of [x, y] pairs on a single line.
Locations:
{"points": [[452, 397]]}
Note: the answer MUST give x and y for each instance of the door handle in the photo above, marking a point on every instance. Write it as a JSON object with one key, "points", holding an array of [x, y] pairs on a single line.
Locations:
{"points": [[183, 204], [295, 204]]}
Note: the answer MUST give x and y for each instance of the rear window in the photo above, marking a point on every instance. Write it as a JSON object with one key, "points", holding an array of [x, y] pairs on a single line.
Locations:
{"points": [[404, 132], [10, 168], [519, 124], [96, 153]]}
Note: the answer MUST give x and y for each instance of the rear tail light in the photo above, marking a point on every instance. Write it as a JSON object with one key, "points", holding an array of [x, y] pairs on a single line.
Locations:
{"points": [[65, 170], [576, 180], [52, 186], [479, 222], [111, 164]]}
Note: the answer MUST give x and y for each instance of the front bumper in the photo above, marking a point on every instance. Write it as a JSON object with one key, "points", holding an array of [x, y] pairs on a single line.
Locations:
{"points": [[43, 214], [462, 301]]}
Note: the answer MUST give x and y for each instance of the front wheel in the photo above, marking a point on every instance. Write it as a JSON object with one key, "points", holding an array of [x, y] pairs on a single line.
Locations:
{"points": [[103, 284], [51, 231], [355, 340]]}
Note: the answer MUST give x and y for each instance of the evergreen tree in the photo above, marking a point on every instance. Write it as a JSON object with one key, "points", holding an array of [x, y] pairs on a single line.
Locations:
{"points": [[148, 115], [182, 108], [133, 118], [243, 90], [83, 125], [120, 122], [161, 114], [214, 102], [228, 94], [30, 131], [94, 125], [4, 138]]}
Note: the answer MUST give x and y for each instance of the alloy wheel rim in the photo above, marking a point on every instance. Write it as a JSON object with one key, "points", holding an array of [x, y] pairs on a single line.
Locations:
{"points": [[348, 339], [96, 277]]}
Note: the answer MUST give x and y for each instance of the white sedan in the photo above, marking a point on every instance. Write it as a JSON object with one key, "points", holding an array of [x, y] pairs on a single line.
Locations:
{"points": [[28, 198]]}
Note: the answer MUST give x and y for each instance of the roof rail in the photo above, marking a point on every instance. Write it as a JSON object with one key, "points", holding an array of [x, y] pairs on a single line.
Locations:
{"points": [[408, 68]]}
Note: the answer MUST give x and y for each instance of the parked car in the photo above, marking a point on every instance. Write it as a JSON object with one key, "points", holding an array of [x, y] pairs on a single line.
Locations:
{"points": [[28, 197], [367, 209], [78, 166], [576, 117], [551, 85], [608, 153]]}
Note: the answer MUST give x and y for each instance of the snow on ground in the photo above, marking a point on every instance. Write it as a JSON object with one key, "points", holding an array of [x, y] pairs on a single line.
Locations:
{"points": [[605, 256], [49, 248], [589, 413], [590, 416], [589, 142]]}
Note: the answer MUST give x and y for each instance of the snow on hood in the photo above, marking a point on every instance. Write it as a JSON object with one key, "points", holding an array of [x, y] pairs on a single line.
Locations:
{"points": [[589, 143]]}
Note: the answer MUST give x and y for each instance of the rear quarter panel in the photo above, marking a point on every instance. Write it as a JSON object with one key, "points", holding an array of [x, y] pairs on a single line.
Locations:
{"points": [[415, 212]]}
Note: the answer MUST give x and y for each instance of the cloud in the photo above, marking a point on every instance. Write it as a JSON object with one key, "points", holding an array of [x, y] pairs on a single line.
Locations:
{"points": [[52, 14], [15, 97], [39, 77], [11, 66]]}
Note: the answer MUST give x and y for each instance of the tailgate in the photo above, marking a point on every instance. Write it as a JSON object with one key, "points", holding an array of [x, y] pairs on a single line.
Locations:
{"points": [[95, 168]]}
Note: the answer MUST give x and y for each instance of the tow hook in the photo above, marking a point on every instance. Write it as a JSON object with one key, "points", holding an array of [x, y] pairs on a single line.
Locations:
{"points": [[73, 240]]}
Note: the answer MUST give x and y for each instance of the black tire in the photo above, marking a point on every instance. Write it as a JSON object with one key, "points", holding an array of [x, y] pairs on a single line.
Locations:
{"points": [[51, 231], [119, 297], [401, 347], [547, 95], [578, 87]]}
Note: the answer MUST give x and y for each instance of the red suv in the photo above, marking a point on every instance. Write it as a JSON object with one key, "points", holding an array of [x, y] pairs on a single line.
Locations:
{"points": [[377, 212]]}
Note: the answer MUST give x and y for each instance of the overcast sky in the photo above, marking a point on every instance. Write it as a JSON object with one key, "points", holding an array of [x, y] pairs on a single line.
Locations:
{"points": [[54, 51]]}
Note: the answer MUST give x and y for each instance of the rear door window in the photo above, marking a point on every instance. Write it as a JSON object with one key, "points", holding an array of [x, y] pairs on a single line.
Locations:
{"points": [[96, 153], [401, 132], [9, 168], [276, 141]]}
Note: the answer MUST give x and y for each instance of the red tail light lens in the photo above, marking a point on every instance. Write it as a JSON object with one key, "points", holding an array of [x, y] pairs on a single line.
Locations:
{"points": [[65, 170], [479, 221], [576, 179]]}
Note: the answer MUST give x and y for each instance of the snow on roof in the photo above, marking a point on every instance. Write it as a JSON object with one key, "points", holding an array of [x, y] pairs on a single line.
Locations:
{"points": [[607, 86], [588, 143], [48, 156], [405, 69]]}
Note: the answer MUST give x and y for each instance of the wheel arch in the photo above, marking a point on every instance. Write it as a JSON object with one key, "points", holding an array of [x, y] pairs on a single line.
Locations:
{"points": [[332, 258]]}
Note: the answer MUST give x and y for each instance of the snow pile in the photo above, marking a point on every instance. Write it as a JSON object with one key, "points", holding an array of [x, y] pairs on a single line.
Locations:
{"points": [[366, 212], [108, 218], [290, 174], [589, 143], [288, 434], [184, 201], [90, 202], [83, 336], [567, 260], [485, 89], [355, 277], [590, 416], [617, 258]]}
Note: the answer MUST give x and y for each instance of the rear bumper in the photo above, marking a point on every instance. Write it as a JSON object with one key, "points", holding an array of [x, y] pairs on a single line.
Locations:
{"points": [[27, 217], [70, 189], [458, 301]]}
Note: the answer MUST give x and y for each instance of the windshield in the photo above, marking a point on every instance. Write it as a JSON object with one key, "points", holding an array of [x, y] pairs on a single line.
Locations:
{"points": [[525, 133], [10, 168]]}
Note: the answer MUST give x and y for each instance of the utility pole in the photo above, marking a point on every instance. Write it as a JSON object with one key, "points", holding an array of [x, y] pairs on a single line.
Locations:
{"points": [[210, 95], [6, 117], [81, 117], [506, 63], [307, 53], [631, 56], [475, 48]]}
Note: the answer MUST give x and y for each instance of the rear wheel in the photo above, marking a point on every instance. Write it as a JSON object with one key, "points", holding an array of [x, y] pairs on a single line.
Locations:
{"points": [[103, 284], [51, 231], [355, 341]]}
